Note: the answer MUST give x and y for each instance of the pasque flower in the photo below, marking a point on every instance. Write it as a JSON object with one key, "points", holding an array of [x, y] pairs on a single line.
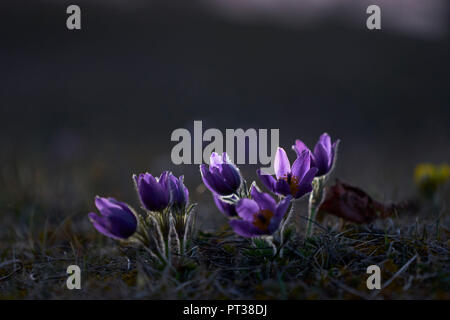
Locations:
{"points": [[222, 177], [228, 209], [295, 181], [323, 156], [260, 215], [116, 220], [179, 192], [154, 193]]}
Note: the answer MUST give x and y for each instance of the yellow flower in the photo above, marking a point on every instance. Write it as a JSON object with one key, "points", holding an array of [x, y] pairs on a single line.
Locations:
{"points": [[444, 173], [429, 177]]}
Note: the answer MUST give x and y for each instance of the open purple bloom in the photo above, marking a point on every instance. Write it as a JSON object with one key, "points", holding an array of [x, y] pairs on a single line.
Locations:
{"points": [[323, 156], [116, 219], [226, 208], [260, 215], [180, 194], [222, 177], [295, 181], [153, 192]]}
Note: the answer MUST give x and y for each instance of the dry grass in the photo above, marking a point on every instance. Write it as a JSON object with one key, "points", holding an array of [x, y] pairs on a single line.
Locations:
{"points": [[37, 245]]}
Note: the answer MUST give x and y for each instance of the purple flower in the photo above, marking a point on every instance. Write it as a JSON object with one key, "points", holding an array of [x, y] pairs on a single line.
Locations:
{"points": [[153, 192], [223, 177], [260, 215], [226, 208], [323, 156], [116, 219], [295, 181], [179, 192]]}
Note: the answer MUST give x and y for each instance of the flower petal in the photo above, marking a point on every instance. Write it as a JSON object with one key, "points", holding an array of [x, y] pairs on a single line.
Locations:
{"points": [[301, 165], [99, 224], [245, 228], [305, 185], [120, 225], [231, 175], [280, 211], [164, 180], [215, 160], [246, 209], [106, 206], [282, 188], [179, 192], [215, 182], [122, 205], [226, 208], [325, 140], [299, 147], [226, 158], [186, 191], [267, 180], [282, 165], [322, 159], [334, 148], [153, 195], [264, 200]]}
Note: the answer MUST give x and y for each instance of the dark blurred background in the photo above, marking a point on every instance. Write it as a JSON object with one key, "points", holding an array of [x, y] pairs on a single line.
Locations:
{"points": [[80, 111]]}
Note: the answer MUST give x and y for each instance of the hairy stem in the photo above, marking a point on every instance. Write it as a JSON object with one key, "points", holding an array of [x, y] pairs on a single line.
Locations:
{"points": [[315, 199]]}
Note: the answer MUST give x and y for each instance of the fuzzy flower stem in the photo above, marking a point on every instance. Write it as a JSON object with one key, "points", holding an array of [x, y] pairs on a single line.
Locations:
{"points": [[286, 222], [315, 199], [269, 240]]}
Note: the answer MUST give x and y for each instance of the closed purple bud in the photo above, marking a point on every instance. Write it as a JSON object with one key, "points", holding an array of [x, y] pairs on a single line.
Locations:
{"points": [[180, 194], [222, 177], [116, 219], [153, 192], [323, 156]]}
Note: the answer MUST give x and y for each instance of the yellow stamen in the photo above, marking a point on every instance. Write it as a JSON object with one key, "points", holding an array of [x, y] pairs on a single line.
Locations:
{"points": [[293, 183]]}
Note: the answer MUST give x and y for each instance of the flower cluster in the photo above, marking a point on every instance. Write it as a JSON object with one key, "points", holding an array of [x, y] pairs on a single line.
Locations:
{"points": [[253, 213], [167, 214], [156, 194]]}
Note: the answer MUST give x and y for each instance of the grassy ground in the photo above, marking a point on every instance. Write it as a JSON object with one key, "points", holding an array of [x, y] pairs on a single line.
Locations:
{"points": [[38, 242]]}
